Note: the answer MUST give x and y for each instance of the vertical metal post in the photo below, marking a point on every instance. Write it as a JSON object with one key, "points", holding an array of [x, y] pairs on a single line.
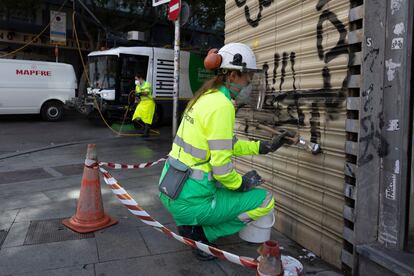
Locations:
{"points": [[396, 126], [370, 109], [410, 47], [176, 74]]}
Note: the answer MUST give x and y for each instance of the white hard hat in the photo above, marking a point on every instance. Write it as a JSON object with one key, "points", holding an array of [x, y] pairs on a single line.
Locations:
{"points": [[237, 56]]}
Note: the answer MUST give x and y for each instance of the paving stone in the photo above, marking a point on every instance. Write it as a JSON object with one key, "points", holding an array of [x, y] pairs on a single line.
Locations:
{"points": [[3, 235], [35, 186], [120, 241], [159, 243], [16, 234], [241, 249], [64, 194], [37, 258], [23, 175], [8, 216], [310, 262], [233, 239], [146, 197], [182, 263], [84, 270], [160, 214], [50, 211], [71, 169], [24, 200], [119, 211]]}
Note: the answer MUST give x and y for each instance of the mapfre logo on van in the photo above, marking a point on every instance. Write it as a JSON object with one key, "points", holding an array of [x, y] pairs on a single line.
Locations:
{"points": [[33, 72]]}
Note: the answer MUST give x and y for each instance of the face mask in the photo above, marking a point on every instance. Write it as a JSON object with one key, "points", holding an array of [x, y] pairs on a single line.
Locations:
{"points": [[243, 96], [137, 82]]}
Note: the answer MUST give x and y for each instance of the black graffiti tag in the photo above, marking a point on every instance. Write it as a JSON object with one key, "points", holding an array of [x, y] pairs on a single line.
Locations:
{"points": [[321, 3], [373, 55], [340, 47], [262, 4], [373, 138], [289, 106]]}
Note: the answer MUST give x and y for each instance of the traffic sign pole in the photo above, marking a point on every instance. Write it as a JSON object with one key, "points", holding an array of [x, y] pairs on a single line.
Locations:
{"points": [[174, 8]]}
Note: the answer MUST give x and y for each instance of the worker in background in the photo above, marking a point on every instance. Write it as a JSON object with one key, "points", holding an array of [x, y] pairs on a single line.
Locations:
{"points": [[146, 108], [214, 200]]}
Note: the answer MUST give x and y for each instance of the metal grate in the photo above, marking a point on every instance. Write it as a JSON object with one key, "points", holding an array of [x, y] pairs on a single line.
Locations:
{"points": [[46, 231], [3, 235]]}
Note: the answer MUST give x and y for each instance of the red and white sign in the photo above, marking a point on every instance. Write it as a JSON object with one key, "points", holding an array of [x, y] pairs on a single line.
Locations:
{"points": [[159, 2], [174, 9]]}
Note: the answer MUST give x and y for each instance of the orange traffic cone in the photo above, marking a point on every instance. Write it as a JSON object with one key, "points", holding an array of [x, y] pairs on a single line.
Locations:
{"points": [[89, 214]]}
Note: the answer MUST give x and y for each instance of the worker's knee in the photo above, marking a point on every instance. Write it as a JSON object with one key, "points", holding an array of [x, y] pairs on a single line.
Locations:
{"points": [[266, 206], [269, 201]]}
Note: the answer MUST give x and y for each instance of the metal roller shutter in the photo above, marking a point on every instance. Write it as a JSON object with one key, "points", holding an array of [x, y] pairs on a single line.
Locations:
{"points": [[303, 48]]}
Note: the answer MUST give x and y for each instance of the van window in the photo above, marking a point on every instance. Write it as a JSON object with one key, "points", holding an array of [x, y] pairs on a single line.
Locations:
{"points": [[102, 71]]}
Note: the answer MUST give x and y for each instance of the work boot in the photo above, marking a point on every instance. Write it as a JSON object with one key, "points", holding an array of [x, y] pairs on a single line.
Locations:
{"points": [[196, 233], [146, 130]]}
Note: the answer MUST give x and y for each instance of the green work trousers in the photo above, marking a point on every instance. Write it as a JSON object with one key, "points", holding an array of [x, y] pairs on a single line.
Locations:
{"points": [[217, 210]]}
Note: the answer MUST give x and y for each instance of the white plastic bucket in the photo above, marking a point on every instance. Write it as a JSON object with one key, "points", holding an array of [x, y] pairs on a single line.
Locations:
{"points": [[258, 231]]}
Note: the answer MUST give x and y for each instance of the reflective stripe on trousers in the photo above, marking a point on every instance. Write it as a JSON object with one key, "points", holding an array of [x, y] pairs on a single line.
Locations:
{"points": [[267, 205]]}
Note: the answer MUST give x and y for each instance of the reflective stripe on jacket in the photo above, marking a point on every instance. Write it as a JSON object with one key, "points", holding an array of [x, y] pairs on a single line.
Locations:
{"points": [[206, 131], [145, 87]]}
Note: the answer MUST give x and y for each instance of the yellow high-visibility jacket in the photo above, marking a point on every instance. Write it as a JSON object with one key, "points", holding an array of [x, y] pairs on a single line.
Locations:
{"points": [[146, 87], [146, 108], [206, 133]]}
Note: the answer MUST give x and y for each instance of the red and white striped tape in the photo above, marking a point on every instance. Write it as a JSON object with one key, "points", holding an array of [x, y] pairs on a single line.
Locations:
{"points": [[140, 213], [133, 166]]}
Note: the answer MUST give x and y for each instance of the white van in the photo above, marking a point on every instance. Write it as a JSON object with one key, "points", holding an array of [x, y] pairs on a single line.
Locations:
{"points": [[29, 87]]}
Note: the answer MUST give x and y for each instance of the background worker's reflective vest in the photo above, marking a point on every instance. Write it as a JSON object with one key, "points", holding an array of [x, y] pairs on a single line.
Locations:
{"points": [[146, 108], [206, 132], [146, 87]]}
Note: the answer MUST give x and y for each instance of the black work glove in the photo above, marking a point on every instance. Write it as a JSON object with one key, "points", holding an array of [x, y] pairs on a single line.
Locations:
{"points": [[290, 134], [278, 141], [250, 180]]}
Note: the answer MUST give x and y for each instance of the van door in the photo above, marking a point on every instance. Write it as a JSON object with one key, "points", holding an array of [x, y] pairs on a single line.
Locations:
{"points": [[131, 65]]}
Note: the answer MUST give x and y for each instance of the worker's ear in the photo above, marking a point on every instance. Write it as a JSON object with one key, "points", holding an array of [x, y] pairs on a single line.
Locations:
{"points": [[233, 75]]}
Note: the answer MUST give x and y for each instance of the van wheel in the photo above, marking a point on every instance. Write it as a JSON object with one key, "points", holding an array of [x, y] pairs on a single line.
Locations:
{"points": [[52, 111]]}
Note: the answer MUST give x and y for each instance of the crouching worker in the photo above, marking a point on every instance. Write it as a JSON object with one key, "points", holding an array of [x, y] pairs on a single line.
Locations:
{"points": [[207, 198], [146, 107]]}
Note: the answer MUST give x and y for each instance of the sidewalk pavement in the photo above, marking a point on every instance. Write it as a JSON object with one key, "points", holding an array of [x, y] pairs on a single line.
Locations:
{"points": [[39, 189]]}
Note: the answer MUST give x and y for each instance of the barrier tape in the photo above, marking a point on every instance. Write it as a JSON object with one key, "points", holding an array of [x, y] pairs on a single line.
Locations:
{"points": [[118, 166], [290, 264]]}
